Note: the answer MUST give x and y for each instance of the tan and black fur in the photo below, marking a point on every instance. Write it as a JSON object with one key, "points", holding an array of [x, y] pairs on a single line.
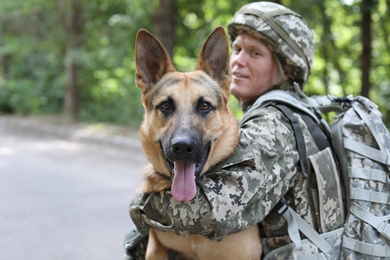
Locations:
{"points": [[188, 128]]}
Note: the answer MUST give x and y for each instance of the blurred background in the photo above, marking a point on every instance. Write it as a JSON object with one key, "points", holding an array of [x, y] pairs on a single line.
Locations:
{"points": [[76, 57], [69, 106]]}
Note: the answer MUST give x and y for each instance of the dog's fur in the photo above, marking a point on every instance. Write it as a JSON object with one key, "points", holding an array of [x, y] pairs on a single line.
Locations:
{"points": [[188, 128]]}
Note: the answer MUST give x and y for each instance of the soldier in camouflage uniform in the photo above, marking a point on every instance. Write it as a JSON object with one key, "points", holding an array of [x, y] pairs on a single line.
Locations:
{"points": [[272, 49]]}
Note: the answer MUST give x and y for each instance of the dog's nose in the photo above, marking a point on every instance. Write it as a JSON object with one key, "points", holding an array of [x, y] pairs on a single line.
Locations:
{"points": [[184, 149], [183, 146]]}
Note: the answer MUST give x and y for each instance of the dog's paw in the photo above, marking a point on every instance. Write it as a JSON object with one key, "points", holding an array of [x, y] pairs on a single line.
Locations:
{"points": [[154, 181]]}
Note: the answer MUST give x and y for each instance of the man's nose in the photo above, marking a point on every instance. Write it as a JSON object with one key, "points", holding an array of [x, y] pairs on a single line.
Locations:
{"points": [[240, 59]]}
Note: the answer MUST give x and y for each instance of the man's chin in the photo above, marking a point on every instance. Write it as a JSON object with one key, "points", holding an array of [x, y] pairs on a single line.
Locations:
{"points": [[237, 91]]}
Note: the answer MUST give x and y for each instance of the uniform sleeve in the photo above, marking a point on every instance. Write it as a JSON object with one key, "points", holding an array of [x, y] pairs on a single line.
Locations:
{"points": [[238, 193]]}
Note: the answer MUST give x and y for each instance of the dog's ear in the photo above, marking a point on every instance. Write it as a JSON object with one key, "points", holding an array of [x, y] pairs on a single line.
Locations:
{"points": [[214, 56], [152, 60]]}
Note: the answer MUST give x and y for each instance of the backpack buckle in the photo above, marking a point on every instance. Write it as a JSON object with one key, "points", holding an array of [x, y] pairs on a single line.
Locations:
{"points": [[281, 207]]}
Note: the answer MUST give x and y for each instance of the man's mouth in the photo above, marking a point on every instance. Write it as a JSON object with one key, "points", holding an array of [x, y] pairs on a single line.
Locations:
{"points": [[239, 75], [184, 175]]}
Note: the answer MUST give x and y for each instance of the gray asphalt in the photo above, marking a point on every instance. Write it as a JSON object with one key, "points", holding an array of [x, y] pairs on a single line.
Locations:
{"points": [[62, 199]]}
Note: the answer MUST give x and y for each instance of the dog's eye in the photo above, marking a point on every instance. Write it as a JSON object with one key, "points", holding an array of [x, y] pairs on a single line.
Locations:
{"points": [[205, 106], [166, 106]]}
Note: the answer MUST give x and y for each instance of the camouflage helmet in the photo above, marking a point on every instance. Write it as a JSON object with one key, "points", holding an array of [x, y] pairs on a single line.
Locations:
{"points": [[284, 31]]}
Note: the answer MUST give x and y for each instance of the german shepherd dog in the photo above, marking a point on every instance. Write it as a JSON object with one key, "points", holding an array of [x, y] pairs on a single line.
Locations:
{"points": [[188, 128]]}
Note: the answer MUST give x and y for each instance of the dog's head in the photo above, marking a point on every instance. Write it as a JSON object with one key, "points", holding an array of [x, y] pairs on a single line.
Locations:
{"points": [[187, 125]]}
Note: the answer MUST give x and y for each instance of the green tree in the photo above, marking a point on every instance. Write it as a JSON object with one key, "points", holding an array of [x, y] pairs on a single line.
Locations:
{"points": [[71, 18], [38, 59], [30, 81]]}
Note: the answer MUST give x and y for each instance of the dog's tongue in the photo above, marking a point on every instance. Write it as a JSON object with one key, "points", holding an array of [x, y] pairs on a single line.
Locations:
{"points": [[183, 186]]}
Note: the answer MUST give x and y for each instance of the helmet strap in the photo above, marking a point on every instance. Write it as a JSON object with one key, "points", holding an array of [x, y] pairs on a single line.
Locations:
{"points": [[298, 90]]}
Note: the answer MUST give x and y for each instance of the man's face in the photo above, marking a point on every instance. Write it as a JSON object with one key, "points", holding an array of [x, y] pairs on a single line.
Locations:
{"points": [[254, 68]]}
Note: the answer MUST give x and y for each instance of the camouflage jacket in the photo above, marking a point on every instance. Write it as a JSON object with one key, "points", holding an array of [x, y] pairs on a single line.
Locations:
{"points": [[242, 190]]}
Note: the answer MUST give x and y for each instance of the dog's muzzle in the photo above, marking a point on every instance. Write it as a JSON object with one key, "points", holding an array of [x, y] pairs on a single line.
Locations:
{"points": [[185, 159]]}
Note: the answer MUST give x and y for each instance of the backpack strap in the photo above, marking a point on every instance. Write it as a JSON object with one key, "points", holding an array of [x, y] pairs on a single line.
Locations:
{"points": [[318, 134], [316, 131], [287, 98], [368, 174], [296, 223], [379, 223], [367, 151], [371, 196], [366, 248], [300, 140]]}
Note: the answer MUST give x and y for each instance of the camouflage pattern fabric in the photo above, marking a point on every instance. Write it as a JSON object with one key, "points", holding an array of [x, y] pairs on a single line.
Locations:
{"points": [[308, 250], [137, 252], [369, 185], [241, 191], [330, 212], [135, 245], [284, 31]]}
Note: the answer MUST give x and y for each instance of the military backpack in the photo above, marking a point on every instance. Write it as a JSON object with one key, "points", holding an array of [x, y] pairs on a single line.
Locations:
{"points": [[360, 144]]}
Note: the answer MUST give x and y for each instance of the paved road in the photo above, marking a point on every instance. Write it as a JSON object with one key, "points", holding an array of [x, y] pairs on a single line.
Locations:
{"points": [[64, 200]]}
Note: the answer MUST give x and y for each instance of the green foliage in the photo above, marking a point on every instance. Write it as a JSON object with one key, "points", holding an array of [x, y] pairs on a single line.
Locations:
{"points": [[339, 71], [32, 52], [109, 93], [27, 86], [25, 97]]}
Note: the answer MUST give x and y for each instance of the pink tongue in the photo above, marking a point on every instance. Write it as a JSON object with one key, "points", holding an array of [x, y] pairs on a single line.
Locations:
{"points": [[183, 186]]}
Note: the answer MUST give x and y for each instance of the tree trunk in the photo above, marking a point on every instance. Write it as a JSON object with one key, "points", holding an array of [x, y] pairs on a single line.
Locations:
{"points": [[3, 57], [331, 56], [164, 20], [383, 25], [366, 43], [325, 40], [71, 17]]}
